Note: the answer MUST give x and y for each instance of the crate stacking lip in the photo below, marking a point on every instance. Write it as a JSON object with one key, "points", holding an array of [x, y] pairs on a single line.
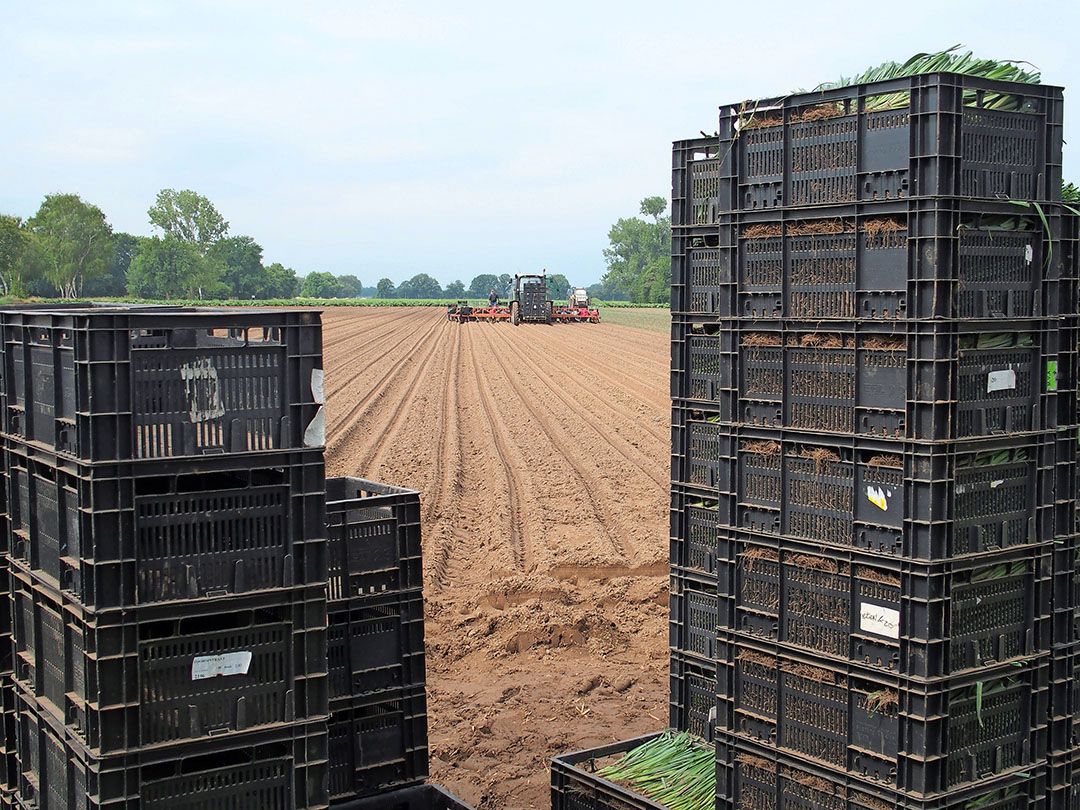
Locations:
{"points": [[373, 538], [917, 620], [926, 738], [906, 499], [693, 695], [938, 381], [275, 770], [121, 384], [752, 776], [153, 532], [905, 260], [375, 643], [148, 677], [377, 743], [930, 135]]}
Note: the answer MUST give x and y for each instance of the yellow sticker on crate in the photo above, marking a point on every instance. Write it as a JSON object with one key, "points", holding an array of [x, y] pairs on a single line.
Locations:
{"points": [[878, 497]]}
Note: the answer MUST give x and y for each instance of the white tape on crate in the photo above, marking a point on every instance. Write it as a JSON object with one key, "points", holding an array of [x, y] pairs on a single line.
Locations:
{"points": [[220, 666], [317, 391], [881, 621], [315, 433], [1002, 380]]}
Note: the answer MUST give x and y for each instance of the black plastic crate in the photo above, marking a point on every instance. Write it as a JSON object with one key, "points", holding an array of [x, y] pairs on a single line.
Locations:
{"points": [[901, 260], [752, 777], [700, 362], [695, 531], [695, 184], [378, 743], [917, 620], [9, 766], [926, 738], [1065, 780], [693, 615], [149, 532], [693, 695], [1065, 698], [150, 677], [419, 797], [286, 768], [375, 643], [1066, 591], [901, 498], [575, 785], [374, 538], [927, 381], [119, 384], [697, 443], [940, 136]]}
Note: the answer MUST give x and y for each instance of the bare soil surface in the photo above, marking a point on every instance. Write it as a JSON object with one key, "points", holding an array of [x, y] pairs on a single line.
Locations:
{"points": [[542, 457]]}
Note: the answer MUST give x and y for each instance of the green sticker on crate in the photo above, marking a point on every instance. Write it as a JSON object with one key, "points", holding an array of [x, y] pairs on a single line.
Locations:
{"points": [[1051, 375]]}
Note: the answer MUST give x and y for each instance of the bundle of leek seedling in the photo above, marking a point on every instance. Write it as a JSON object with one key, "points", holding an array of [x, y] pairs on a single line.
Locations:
{"points": [[948, 61], [992, 458], [675, 769], [1070, 193]]}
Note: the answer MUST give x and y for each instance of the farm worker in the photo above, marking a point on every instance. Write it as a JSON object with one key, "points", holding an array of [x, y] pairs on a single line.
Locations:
{"points": [[493, 299]]}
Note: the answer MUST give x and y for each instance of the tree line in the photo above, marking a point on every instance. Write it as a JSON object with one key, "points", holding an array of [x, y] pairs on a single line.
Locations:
{"points": [[68, 249]]}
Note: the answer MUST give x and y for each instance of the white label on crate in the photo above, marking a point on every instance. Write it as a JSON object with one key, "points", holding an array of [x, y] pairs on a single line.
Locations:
{"points": [[218, 666], [1003, 380], [317, 391], [996, 484], [202, 390], [1029, 253], [878, 497], [881, 621], [315, 433]]}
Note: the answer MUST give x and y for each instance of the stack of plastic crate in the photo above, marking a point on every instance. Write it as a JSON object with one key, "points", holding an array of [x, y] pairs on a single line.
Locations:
{"points": [[1065, 654], [378, 717], [873, 398], [165, 476]]}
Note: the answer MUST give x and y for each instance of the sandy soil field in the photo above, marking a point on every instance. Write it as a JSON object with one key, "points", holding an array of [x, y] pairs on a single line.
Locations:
{"points": [[542, 459]]}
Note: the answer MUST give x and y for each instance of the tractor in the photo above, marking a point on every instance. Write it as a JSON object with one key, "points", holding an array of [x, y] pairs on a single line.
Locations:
{"points": [[529, 299]]}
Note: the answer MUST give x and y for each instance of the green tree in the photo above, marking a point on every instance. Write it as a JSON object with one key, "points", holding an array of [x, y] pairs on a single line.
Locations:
{"points": [[639, 256], [170, 268], [281, 281], [420, 286], [480, 286], [20, 262], [385, 288], [320, 285], [350, 287], [505, 282], [188, 216], [558, 287], [240, 259], [76, 241], [455, 289], [114, 280]]}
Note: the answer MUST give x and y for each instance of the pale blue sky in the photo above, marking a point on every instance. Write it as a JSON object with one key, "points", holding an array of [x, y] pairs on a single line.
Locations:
{"points": [[393, 138]]}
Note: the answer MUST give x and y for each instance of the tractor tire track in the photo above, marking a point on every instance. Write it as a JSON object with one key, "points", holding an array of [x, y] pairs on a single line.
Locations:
{"points": [[562, 440], [449, 485], [401, 407], [502, 443], [637, 459]]}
